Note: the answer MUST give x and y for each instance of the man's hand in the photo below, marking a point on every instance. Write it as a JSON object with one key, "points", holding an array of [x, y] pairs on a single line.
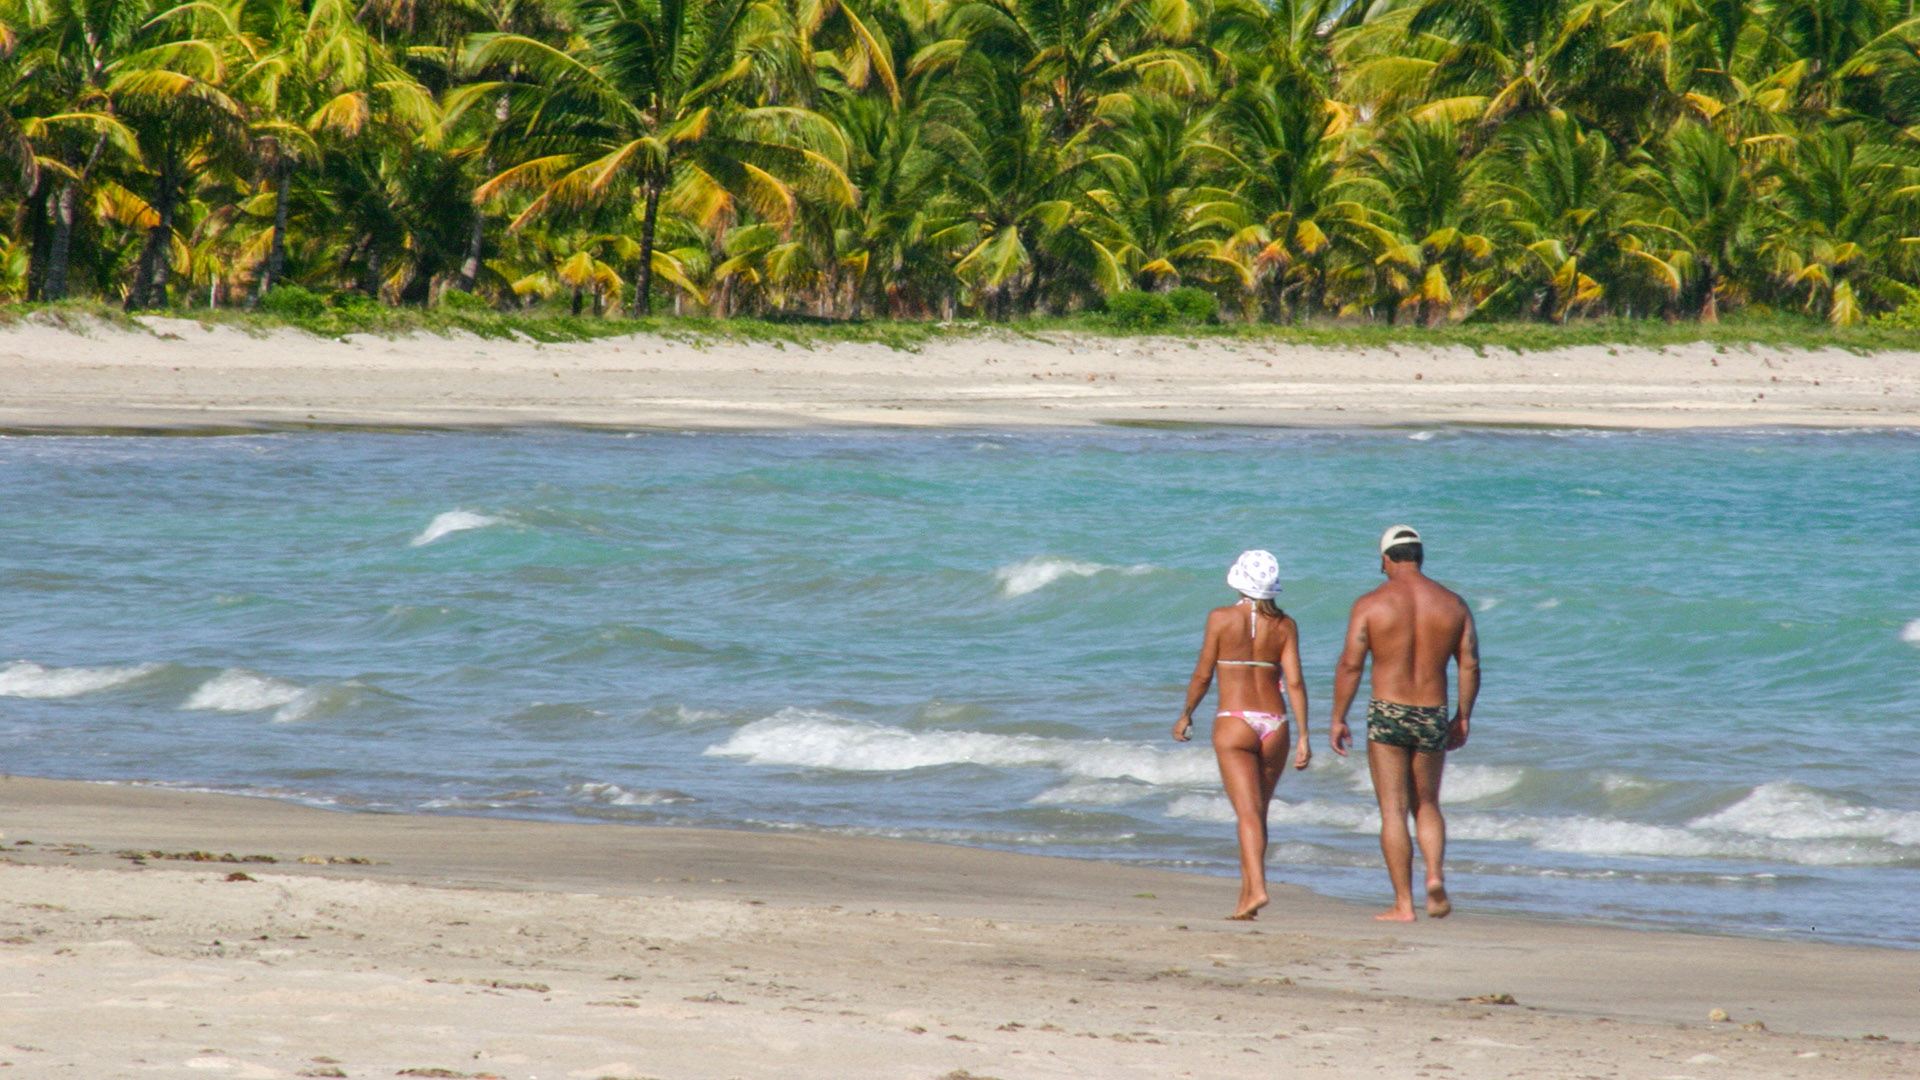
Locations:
{"points": [[1339, 736], [1183, 728], [1457, 732]]}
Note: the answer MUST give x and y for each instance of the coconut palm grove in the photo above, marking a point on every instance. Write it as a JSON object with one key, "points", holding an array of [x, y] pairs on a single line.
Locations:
{"points": [[1401, 161]]}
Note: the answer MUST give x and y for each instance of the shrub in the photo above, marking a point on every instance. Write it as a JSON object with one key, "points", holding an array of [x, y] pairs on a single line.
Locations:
{"points": [[293, 303], [1137, 310], [1194, 305], [456, 302], [1904, 317]]}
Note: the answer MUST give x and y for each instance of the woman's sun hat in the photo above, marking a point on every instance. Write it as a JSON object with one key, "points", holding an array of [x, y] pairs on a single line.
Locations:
{"points": [[1256, 574]]}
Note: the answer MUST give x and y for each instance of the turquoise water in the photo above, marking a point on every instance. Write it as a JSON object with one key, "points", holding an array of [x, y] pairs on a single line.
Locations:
{"points": [[1702, 651]]}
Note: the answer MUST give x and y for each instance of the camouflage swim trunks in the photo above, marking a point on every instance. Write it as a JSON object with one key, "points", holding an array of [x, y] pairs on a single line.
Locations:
{"points": [[1416, 727]]}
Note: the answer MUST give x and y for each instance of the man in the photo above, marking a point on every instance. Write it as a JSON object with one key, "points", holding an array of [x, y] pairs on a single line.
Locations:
{"points": [[1411, 626]]}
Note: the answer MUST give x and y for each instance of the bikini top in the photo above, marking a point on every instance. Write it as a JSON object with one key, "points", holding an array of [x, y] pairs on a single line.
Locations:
{"points": [[1253, 624]]}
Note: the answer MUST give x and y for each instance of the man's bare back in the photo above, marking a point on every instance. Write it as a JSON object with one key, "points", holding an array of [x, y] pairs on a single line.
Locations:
{"points": [[1410, 628], [1413, 626]]}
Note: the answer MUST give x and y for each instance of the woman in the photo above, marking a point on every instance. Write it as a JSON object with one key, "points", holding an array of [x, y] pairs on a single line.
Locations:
{"points": [[1248, 643]]}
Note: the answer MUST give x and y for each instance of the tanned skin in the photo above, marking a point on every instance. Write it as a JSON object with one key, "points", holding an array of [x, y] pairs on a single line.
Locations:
{"points": [[1410, 627], [1250, 766]]}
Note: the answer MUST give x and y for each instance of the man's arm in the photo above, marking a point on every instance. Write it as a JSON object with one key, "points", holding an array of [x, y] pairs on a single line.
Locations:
{"points": [[1346, 679], [1467, 656]]}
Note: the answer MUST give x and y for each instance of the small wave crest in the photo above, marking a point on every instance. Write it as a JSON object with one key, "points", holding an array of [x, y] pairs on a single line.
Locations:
{"points": [[1788, 811], [1091, 793], [1462, 783], [1910, 633], [26, 679], [451, 522], [1032, 575], [615, 795], [1778, 822], [809, 739], [236, 690]]}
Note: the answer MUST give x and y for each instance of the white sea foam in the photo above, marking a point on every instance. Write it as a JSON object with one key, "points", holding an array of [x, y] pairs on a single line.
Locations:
{"points": [[1613, 782], [1462, 783], [451, 522], [1487, 603], [1468, 783], [1032, 575], [615, 795], [1776, 823], [1350, 816], [1091, 793], [1910, 633], [26, 679], [1787, 811], [1548, 604], [801, 737], [237, 690], [1422, 436]]}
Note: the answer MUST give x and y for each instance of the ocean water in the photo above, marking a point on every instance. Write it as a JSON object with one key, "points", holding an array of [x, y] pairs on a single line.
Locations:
{"points": [[1702, 651]]}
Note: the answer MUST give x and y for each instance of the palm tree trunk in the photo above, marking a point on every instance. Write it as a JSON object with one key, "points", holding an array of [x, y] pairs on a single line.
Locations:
{"points": [[276, 251], [156, 255], [643, 281], [65, 210], [34, 210], [477, 230]]}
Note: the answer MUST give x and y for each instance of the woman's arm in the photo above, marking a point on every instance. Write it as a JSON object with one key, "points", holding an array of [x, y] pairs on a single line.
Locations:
{"points": [[1198, 685], [1295, 686]]}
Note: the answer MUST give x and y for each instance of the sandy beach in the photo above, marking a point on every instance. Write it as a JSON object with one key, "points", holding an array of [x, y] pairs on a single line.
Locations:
{"points": [[381, 945], [183, 375]]}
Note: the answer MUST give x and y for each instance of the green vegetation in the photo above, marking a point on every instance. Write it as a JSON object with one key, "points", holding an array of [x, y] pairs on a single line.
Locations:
{"points": [[1482, 172]]}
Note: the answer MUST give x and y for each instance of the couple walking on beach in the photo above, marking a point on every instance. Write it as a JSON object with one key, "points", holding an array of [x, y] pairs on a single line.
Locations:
{"points": [[1410, 627]]}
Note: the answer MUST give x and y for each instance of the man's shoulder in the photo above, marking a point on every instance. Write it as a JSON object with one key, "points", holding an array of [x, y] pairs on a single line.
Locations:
{"points": [[1381, 595]]}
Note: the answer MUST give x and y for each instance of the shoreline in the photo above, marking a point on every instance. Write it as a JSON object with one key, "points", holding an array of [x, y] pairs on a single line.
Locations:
{"points": [[182, 376], [1226, 874], [727, 953]]}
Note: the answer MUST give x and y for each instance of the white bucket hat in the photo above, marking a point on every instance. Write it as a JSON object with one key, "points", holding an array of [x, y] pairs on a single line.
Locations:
{"points": [[1256, 574], [1398, 534]]}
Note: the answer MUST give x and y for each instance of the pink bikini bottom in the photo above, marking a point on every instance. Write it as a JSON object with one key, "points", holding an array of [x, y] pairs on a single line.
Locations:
{"points": [[1264, 724]]}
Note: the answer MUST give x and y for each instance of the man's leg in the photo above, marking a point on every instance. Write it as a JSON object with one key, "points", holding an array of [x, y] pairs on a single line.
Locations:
{"points": [[1392, 769], [1432, 827]]}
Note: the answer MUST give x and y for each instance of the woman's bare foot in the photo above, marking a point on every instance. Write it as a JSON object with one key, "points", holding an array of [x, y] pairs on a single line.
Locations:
{"points": [[1250, 908], [1438, 906], [1396, 914]]}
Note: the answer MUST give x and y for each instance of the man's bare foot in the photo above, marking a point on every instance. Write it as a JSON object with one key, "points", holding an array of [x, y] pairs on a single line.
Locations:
{"points": [[1396, 914], [1438, 906], [1249, 910]]}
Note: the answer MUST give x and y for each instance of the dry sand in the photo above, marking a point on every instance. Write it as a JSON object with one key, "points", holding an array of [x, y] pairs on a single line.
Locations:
{"points": [[183, 375], [522, 949]]}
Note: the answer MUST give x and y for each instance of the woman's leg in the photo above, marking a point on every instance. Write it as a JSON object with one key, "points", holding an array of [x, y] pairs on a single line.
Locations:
{"points": [[1249, 769]]}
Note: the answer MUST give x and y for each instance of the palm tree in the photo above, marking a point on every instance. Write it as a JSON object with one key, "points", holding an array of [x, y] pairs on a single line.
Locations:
{"points": [[644, 91], [1147, 225], [71, 50], [1700, 193], [1298, 208], [171, 94], [315, 78]]}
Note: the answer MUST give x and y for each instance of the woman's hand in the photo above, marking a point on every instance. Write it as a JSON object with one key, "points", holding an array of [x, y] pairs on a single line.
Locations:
{"points": [[1183, 728], [1302, 754]]}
